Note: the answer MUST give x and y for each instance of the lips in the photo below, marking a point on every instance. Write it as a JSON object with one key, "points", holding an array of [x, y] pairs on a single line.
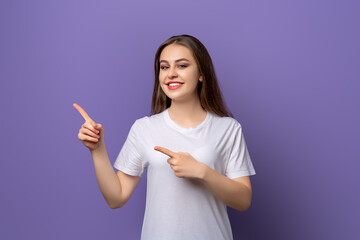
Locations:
{"points": [[175, 86]]}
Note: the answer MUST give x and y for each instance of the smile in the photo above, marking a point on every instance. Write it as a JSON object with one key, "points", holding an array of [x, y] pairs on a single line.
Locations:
{"points": [[173, 86]]}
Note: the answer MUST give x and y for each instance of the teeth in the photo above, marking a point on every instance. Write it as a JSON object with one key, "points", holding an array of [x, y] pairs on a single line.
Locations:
{"points": [[174, 84]]}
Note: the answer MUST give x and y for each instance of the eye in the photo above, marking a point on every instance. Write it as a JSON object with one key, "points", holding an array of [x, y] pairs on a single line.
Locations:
{"points": [[182, 66], [163, 67]]}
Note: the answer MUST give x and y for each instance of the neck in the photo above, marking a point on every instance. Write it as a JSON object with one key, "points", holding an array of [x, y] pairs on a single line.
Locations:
{"points": [[187, 110]]}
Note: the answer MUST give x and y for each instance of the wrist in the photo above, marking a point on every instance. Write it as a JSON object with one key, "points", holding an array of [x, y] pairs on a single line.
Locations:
{"points": [[203, 170], [99, 148]]}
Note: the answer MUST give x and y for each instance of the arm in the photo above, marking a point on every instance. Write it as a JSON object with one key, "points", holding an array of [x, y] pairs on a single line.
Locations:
{"points": [[116, 188], [236, 193]]}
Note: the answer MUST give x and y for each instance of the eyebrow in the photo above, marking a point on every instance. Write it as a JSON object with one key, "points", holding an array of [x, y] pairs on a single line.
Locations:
{"points": [[179, 60]]}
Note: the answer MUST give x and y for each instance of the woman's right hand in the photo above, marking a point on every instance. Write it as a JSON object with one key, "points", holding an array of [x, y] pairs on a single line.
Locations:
{"points": [[90, 134]]}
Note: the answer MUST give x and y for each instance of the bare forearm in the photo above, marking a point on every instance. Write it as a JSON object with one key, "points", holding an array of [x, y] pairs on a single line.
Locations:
{"points": [[233, 194], [108, 182]]}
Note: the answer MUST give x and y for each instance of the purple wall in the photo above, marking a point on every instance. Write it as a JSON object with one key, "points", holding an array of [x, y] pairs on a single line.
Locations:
{"points": [[289, 71]]}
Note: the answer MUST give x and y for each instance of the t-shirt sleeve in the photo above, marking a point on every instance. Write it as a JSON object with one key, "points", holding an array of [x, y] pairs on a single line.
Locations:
{"points": [[239, 163], [129, 159]]}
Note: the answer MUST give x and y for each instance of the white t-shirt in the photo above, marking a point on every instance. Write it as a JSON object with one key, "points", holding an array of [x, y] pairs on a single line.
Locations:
{"points": [[180, 208]]}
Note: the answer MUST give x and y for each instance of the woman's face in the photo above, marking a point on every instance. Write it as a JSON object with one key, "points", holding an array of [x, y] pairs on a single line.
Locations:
{"points": [[178, 65]]}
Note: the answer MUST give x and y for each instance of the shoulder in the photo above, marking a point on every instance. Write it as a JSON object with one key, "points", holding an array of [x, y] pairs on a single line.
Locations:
{"points": [[148, 121], [227, 122]]}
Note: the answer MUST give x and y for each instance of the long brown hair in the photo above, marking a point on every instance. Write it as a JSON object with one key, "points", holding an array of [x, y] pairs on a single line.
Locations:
{"points": [[208, 90]]}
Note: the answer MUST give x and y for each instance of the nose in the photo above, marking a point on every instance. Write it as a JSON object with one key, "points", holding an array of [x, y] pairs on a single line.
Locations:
{"points": [[172, 73]]}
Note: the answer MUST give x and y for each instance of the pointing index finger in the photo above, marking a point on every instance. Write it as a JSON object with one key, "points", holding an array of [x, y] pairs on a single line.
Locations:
{"points": [[82, 112], [165, 151]]}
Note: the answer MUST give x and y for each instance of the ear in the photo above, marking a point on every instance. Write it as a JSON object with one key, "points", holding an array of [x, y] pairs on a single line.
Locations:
{"points": [[201, 78]]}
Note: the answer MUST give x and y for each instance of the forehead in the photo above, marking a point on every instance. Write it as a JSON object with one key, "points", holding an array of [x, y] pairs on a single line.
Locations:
{"points": [[175, 51]]}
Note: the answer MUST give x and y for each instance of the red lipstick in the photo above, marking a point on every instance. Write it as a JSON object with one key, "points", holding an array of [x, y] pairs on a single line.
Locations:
{"points": [[178, 85]]}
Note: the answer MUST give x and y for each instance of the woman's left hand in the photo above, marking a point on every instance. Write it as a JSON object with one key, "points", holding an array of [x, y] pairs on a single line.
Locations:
{"points": [[183, 164]]}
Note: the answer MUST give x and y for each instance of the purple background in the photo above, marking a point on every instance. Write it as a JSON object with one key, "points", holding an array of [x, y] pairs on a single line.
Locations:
{"points": [[289, 71]]}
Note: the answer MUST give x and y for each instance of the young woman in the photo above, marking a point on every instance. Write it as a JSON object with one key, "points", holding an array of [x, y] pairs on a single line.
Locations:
{"points": [[193, 149]]}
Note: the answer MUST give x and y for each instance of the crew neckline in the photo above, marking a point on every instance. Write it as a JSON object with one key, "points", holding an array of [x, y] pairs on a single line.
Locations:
{"points": [[186, 130]]}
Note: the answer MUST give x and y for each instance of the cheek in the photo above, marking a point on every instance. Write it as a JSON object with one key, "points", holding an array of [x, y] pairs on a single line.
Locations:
{"points": [[161, 77], [193, 78], [161, 83], [193, 75]]}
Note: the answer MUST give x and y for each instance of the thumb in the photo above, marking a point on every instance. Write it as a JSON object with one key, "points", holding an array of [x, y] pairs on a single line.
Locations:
{"points": [[101, 129]]}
